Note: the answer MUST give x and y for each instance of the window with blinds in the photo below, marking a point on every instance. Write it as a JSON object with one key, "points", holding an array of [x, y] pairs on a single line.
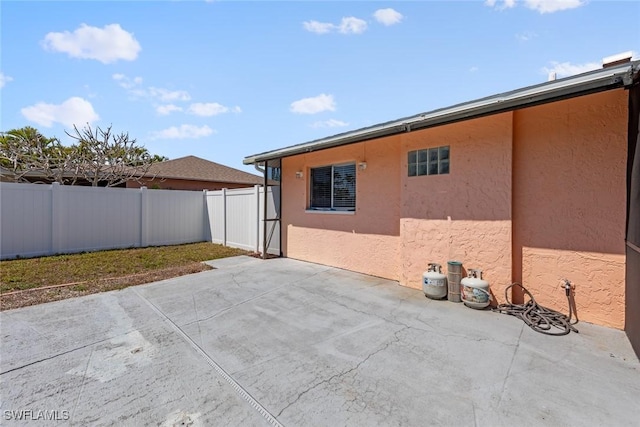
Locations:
{"points": [[333, 187]]}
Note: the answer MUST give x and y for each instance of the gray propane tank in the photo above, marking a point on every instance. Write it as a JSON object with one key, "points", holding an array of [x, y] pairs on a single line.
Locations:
{"points": [[434, 283], [475, 291]]}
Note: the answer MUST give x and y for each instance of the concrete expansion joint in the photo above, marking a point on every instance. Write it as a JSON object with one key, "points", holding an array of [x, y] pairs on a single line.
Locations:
{"points": [[235, 281], [84, 382], [310, 276], [62, 353], [508, 374], [241, 391], [461, 336], [224, 310], [339, 375], [341, 304]]}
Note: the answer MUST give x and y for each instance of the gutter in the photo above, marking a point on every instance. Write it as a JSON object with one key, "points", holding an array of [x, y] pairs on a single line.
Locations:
{"points": [[584, 84]]}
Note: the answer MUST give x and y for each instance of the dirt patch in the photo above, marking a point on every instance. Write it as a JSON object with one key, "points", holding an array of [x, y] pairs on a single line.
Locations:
{"points": [[10, 300]]}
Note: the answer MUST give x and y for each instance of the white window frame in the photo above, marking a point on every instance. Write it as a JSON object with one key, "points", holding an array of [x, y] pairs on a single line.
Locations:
{"points": [[440, 161], [332, 209]]}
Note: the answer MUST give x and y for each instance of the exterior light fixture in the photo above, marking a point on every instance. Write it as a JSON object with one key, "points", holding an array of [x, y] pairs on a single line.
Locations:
{"points": [[362, 166], [299, 175]]}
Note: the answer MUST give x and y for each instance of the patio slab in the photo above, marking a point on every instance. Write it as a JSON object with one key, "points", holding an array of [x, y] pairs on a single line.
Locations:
{"points": [[286, 342]]}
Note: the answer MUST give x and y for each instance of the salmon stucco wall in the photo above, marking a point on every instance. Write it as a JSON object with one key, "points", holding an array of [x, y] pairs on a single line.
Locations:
{"points": [[464, 215], [569, 203], [366, 240]]}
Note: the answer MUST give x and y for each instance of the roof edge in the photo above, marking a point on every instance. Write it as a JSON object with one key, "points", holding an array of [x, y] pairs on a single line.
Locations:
{"points": [[600, 80]]}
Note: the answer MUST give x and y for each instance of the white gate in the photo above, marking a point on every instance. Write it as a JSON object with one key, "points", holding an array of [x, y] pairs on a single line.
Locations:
{"points": [[236, 218]]}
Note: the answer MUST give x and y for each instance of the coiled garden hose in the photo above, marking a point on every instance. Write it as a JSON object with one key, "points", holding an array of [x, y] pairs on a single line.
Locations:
{"points": [[539, 318]]}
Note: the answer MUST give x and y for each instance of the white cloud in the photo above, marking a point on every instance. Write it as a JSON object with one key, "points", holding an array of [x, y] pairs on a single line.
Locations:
{"points": [[166, 95], [473, 69], [500, 4], [207, 109], [108, 44], [550, 6], [351, 25], [132, 85], [126, 82], [318, 27], [183, 132], [565, 69], [541, 6], [314, 105], [165, 110], [331, 123], [73, 111], [348, 25], [526, 36], [4, 79], [388, 16]]}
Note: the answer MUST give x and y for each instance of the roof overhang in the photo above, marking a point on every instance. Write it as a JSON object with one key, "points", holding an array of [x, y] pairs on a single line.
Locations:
{"points": [[620, 76]]}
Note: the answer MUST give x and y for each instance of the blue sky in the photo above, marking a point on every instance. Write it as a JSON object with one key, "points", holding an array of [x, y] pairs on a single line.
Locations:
{"points": [[226, 79]]}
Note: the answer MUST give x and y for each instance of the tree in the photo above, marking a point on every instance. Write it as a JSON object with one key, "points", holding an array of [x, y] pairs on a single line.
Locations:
{"points": [[157, 158], [26, 152], [103, 156], [100, 157]]}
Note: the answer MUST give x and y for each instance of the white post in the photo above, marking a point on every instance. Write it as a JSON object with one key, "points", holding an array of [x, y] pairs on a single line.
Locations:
{"points": [[224, 217], [144, 220], [206, 223], [56, 218], [258, 228]]}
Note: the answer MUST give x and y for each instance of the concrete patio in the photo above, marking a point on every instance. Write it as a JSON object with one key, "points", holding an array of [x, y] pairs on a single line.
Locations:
{"points": [[286, 342]]}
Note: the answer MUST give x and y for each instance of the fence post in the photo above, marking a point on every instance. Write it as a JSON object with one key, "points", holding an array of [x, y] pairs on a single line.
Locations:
{"points": [[206, 223], [258, 228], [144, 220], [56, 218], [224, 217]]}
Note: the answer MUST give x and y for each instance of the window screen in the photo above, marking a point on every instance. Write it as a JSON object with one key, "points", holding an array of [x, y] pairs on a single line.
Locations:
{"points": [[333, 187]]}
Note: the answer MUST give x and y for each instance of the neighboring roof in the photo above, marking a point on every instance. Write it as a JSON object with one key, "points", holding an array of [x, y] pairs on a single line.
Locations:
{"points": [[582, 84], [196, 169]]}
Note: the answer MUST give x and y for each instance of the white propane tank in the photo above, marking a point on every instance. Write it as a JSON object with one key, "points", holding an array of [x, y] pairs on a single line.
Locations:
{"points": [[475, 291], [434, 283]]}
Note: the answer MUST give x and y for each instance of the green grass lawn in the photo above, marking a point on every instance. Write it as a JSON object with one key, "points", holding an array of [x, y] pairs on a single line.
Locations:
{"points": [[87, 267]]}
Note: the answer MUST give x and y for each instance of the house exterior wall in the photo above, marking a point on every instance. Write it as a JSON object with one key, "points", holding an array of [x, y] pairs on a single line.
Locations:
{"points": [[365, 241], [183, 184], [533, 196], [464, 215], [570, 201]]}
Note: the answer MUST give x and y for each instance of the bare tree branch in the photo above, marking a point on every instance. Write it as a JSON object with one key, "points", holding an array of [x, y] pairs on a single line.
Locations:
{"points": [[102, 156], [99, 156]]}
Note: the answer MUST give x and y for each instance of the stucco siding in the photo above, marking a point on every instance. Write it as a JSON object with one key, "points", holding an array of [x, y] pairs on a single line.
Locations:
{"points": [[365, 240], [466, 214], [373, 254], [532, 196], [570, 201]]}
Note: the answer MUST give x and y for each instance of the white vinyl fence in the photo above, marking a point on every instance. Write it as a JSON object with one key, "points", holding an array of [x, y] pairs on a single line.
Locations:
{"points": [[236, 218], [37, 219]]}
